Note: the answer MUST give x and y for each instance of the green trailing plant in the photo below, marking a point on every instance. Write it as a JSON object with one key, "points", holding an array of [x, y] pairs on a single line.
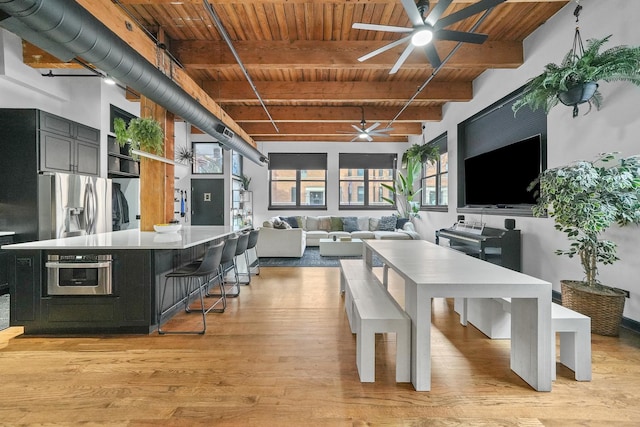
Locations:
{"points": [[141, 134], [403, 190], [246, 181], [587, 197], [619, 63]]}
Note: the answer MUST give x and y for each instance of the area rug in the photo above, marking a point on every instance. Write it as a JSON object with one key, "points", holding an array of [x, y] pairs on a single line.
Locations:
{"points": [[310, 258]]}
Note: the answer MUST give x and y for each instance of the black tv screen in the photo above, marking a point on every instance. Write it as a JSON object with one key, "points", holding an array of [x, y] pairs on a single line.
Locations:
{"points": [[500, 177]]}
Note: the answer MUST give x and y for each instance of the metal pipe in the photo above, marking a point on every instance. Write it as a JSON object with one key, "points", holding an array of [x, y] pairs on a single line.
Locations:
{"points": [[69, 27]]}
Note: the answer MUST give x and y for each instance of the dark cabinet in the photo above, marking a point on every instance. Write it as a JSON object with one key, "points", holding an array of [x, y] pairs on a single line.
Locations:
{"points": [[66, 146], [4, 264], [37, 141]]}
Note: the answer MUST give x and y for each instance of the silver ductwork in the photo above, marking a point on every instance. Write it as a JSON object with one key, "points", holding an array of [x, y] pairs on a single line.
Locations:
{"points": [[67, 30]]}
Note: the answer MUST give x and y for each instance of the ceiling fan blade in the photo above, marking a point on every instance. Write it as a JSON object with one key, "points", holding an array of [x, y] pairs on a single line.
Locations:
{"points": [[376, 27], [368, 138], [432, 55], [412, 12], [383, 49], [402, 58], [437, 12], [372, 127], [460, 36], [355, 138], [357, 128], [468, 11]]}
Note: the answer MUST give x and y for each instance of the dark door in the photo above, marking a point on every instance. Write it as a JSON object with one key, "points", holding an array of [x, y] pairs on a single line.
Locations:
{"points": [[207, 202]]}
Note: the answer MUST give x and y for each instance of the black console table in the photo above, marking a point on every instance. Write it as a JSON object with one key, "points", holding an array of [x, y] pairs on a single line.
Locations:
{"points": [[496, 245]]}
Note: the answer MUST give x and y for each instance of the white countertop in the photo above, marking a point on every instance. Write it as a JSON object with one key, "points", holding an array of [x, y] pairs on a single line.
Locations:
{"points": [[133, 239], [7, 233]]}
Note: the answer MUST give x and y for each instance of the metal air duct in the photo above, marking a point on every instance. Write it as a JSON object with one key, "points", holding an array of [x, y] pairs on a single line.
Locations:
{"points": [[63, 26]]}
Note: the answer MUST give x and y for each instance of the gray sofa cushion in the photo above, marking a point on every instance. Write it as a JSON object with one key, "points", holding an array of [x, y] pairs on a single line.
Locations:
{"points": [[350, 224], [387, 223], [363, 234]]}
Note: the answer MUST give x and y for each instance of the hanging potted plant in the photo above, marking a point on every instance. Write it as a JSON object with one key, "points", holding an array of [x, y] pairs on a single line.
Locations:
{"points": [[585, 199], [575, 80], [141, 134], [403, 190]]}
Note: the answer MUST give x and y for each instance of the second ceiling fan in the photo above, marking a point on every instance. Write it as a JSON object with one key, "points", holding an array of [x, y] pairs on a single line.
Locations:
{"points": [[428, 27], [366, 133]]}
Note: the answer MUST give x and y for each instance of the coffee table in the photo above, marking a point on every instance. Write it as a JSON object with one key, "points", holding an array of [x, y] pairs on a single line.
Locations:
{"points": [[329, 247]]}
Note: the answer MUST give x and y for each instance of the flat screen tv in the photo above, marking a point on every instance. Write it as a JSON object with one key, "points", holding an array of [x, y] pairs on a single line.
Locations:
{"points": [[499, 178]]}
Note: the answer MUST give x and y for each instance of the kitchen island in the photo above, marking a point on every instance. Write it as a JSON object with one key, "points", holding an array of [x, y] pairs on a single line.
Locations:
{"points": [[137, 262]]}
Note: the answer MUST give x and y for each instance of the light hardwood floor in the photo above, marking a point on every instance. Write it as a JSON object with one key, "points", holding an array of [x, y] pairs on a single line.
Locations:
{"points": [[283, 355]]}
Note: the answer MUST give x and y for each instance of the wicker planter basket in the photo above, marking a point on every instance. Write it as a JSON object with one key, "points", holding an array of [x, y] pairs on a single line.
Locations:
{"points": [[603, 306]]}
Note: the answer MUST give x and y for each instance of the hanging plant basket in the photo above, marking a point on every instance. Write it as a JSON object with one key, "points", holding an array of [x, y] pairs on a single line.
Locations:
{"points": [[578, 95], [602, 304]]}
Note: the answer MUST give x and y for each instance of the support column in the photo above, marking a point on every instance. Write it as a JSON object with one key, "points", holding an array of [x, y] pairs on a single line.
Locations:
{"points": [[156, 177]]}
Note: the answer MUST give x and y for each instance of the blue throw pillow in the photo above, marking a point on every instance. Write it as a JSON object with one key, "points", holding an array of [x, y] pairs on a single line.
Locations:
{"points": [[387, 223], [350, 223], [291, 220], [400, 222]]}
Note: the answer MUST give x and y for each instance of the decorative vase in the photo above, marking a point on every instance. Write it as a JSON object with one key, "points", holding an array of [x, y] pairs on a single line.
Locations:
{"points": [[578, 95], [604, 305]]}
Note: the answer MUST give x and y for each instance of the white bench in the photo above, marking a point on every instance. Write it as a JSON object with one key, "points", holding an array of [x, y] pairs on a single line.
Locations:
{"points": [[370, 310], [573, 328]]}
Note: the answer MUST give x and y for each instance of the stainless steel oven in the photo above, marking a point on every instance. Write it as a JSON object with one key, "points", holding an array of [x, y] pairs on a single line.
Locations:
{"points": [[79, 274]]}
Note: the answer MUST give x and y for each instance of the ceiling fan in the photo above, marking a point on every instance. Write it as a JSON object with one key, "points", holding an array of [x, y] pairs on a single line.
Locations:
{"points": [[428, 27], [367, 133]]}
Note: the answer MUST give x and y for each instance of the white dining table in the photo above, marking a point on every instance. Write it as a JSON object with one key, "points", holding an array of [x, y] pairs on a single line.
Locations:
{"points": [[431, 271]]}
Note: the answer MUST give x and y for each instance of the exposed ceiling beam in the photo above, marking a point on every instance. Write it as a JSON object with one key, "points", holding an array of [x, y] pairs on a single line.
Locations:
{"points": [[338, 2], [346, 92], [342, 114], [338, 54], [343, 138], [329, 129]]}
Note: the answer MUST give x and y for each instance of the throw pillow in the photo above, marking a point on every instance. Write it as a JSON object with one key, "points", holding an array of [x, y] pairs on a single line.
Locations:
{"points": [[336, 223], [350, 223], [373, 224], [387, 223], [324, 223], [302, 222], [280, 224], [312, 223], [363, 223], [401, 222], [291, 220]]}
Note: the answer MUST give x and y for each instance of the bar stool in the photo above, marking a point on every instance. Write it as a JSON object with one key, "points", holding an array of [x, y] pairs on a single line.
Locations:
{"points": [[253, 241], [200, 273], [241, 249], [227, 265]]}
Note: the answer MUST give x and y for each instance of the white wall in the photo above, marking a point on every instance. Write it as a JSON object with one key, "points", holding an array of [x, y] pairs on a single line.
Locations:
{"points": [[614, 128], [260, 175]]}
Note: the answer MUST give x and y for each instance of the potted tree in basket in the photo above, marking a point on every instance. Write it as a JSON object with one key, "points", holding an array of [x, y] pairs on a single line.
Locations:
{"points": [[403, 189], [585, 198]]}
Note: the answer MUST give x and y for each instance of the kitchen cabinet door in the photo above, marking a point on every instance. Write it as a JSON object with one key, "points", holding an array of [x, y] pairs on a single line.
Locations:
{"points": [[57, 153], [87, 158]]}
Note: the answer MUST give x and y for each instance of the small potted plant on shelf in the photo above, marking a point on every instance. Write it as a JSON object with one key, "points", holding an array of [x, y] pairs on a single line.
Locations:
{"points": [[585, 198], [403, 189], [141, 134], [575, 80]]}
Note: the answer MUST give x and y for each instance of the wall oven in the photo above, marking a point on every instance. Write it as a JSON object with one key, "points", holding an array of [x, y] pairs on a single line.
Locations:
{"points": [[79, 274]]}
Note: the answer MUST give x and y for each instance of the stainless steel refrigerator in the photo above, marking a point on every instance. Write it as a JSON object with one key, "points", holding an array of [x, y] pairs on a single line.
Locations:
{"points": [[73, 205]]}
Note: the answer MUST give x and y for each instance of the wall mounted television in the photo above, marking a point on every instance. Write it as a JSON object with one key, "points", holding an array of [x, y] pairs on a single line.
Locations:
{"points": [[500, 177]]}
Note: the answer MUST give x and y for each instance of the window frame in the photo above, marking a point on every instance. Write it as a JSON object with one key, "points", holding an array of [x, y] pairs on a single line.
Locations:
{"points": [[296, 166], [366, 180], [215, 146], [441, 142]]}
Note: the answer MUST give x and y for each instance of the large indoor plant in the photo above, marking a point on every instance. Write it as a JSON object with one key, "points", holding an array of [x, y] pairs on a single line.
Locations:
{"points": [[141, 134], [585, 198], [575, 79], [403, 190]]}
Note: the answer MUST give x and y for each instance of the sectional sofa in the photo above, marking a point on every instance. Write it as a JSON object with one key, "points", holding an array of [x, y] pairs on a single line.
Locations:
{"points": [[289, 236]]}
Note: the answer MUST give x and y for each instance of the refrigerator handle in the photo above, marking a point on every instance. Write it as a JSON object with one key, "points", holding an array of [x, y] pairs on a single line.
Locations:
{"points": [[90, 208]]}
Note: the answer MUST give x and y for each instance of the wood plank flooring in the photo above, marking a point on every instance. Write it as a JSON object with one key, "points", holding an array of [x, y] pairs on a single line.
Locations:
{"points": [[283, 355]]}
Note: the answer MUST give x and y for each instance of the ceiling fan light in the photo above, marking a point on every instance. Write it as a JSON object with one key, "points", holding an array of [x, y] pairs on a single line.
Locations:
{"points": [[362, 135], [421, 37]]}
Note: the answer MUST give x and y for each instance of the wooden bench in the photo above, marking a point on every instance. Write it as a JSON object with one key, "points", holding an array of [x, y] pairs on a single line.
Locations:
{"points": [[574, 330], [370, 310]]}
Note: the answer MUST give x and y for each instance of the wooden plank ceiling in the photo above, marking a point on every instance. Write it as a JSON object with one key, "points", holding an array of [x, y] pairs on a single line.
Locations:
{"points": [[302, 57]]}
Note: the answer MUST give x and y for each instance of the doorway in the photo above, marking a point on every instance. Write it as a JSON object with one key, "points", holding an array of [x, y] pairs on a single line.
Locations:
{"points": [[207, 202]]}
